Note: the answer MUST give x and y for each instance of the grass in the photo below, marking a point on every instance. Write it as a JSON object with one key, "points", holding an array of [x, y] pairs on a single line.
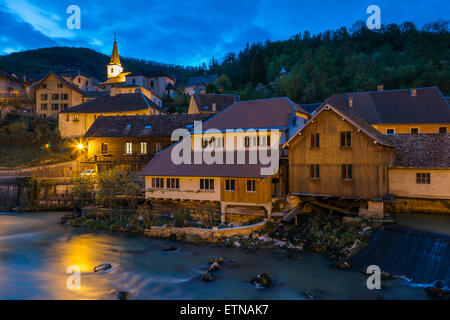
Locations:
{"points": [[26, 156]]}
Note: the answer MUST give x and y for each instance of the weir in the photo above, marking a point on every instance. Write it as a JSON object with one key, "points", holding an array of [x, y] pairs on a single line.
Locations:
{"points": [[422, 256]]}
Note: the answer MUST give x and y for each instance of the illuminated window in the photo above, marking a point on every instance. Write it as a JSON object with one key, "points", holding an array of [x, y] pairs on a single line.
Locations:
{"points": [[143, 147], [76, 117], [128, 148]]}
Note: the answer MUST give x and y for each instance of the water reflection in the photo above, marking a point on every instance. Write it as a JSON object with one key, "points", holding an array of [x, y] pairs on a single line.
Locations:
{"points": [[35, 252]]}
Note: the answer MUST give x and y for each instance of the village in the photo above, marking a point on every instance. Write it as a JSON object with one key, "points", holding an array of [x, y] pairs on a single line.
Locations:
{"points": [[352, 161]]}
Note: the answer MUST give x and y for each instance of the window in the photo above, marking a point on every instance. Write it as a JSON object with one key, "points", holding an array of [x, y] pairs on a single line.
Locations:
{"points": [[44, 106], [143, 148], [152, 84], [59, 85], [128, 148], [158, 183], [206, 184], [173, 183], [315, 173], [251, 185], [315, 140], [104, 148], [442, 129], [55, 106], [64, 96], [76, 117], [423, 178], [157, 146], [347, 172], [390, 131], [55, 96], [414, 130], [230, 185], [247, 142], [44, 86], [67, 117], [64, 106], [133, 80], [44, 96], [346, 140]]}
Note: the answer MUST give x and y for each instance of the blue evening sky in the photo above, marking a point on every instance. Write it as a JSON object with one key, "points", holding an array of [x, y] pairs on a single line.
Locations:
{"points": [[190, 32]]}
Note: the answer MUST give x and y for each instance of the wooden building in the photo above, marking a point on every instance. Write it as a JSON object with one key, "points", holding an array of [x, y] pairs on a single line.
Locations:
{"points": [[127, 143]]}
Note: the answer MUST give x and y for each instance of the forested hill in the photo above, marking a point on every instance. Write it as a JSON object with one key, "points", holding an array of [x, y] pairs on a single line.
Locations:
{"points": [[39, 61], [397, 56]]}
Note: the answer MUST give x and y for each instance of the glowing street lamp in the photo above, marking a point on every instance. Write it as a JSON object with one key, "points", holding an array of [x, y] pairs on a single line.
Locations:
{"points": [[80, 146]]}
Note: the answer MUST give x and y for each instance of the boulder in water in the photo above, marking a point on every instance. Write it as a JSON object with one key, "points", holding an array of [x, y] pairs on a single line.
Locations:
{"points": [[102, 267], [170, 248], [219, 260], [438, 293], [214, 266], [123, 295], [207, 277], [262, 279]]}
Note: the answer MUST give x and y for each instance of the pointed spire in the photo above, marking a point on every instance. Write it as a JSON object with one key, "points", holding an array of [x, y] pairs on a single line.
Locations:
{"points": [[115, 53]]}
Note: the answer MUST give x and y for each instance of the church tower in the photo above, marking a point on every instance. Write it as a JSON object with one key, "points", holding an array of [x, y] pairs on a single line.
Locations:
{"points": [[114, 67]]}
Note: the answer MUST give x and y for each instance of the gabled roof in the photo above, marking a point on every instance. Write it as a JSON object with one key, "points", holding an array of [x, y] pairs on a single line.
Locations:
{"points": [[257, 114], [118, 103], [424, 150], [204, 102], [310, 107], [141, 126], [358, 123], [395, 106], [64, 81], [11, 77], [197, 80], [162, 165]]}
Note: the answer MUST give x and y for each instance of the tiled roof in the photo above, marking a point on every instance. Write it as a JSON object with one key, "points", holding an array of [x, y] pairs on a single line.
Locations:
{"points": [[424, 150], [141, 126], [357, 122], [118, 103], [395, 106], [94, 94], [310, 107], [64, 81], [204, 102], [263, 113], [10, 77], [162, 165]]}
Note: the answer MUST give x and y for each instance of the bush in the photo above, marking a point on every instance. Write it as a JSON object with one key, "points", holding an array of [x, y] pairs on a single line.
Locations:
{"points": [[181, 217]]}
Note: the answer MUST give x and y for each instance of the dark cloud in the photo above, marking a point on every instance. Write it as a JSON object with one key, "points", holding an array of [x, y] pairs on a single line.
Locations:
{"points": [[190, 32]]}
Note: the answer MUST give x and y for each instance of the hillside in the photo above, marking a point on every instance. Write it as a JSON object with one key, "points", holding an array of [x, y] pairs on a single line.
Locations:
{"points": [[37, 62]]}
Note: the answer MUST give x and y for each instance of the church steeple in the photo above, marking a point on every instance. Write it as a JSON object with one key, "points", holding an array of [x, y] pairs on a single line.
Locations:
{"points": [[114, 67], [115, 53]]}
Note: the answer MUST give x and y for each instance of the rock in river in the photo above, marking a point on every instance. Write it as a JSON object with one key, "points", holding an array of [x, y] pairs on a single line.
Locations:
{"points": [[207, 277], [262, 279], [214, 266]]}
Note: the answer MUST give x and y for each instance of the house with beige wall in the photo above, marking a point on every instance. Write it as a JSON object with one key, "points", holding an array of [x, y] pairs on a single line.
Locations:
{"points": [[12, 86], [53, 94], [414, 110], [76, 121], [156, 81], [419, 178], [239, 186]]}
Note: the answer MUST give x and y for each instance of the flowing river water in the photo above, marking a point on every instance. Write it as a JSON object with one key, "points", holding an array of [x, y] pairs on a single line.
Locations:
{"points": [[35, 252]]}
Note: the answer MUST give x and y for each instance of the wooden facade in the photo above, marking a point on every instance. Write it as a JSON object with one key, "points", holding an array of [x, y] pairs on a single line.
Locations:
{"points": [[367, 177], [109, 153]]}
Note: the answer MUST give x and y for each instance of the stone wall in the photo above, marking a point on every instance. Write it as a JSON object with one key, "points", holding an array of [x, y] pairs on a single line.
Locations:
{"points": [[204, 234]]}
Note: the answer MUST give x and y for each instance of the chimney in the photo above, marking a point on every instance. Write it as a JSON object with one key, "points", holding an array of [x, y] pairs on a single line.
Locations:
{"points": [[413, 92], [350, 101], [213, 107], [380, 87]]}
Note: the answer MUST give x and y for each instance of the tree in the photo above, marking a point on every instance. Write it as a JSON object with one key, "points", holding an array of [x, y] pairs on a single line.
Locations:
{"points": [[224, 83], [257, 70]]}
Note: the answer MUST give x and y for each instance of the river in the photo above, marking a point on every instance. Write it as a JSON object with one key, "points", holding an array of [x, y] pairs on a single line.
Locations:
{"points": [[35, 252]]}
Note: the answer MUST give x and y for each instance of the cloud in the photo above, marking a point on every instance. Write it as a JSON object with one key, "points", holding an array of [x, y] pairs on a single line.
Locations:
{"points": [[189, 32]]}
